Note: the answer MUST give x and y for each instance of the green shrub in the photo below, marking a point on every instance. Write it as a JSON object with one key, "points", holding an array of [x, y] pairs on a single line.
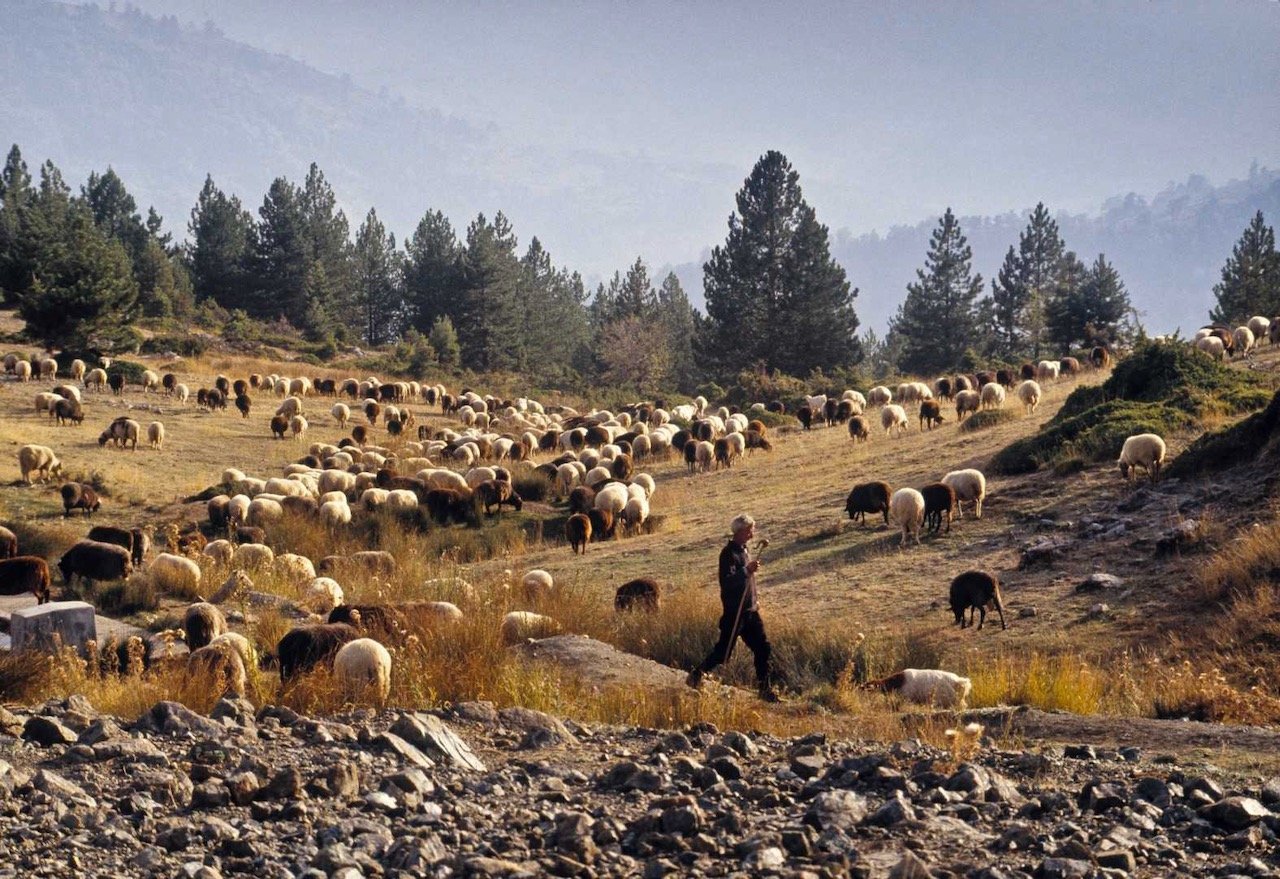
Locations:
{"points": [[1094, 435], [774, 420], [185, 345], [131, 371], [1237, 444], [985, 419], [532, 485]]}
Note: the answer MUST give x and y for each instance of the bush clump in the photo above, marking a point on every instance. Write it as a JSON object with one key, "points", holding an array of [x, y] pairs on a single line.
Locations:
{"points": [[985, 419], [1237, 444]]}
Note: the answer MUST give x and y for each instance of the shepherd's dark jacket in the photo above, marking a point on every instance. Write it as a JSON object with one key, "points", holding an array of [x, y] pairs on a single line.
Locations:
{"points": [[735, 580]]}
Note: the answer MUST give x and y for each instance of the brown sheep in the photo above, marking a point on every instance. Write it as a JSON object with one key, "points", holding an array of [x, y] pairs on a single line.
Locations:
{"points": [[757, 440], [244, 404], [25, 573], [869, 497], [1070, 365], [279, 426], [578, 529], [582, 499], [641, 594], [91, 560], [136, 540], [1027, 371], [8, 543], [494, 493], [379, 563], [77, 496], [939, 504], [68, 410], [446, 505], [976, 590], [602, 524], [1100, 357], [221, 662], [376, 620], [622, 467], [1005, 378], [859, 429], [930, 414], [307, 646], [202, 622]]}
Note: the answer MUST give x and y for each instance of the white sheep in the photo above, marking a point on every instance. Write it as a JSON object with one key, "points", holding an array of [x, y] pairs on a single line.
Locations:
{"points": [[22, 369], [970, 486], [290, 407], [335, 513], [175, 573], [361, 667], [298, 426], [253, 556], [181, 392], [992, 396], [1244, 339], [538, 585], [150, 381], [295, 569], [34, 459], [1029, 394], [892, 417], [880, 396], [645, 481], [1145, 450], [928, 686], [96, 378], [77, 369], [704, 455], [967, 402], [613, 497], [341, 413], [521, 624], [264, 510], [46, 400], [221, 551], [238, 508], [635, 513], [1212, 346], [322, 595], [155, 434], [1260, 327], [48, 368], [241, 645], [372, 498], [906, 509], [1048, 370]]}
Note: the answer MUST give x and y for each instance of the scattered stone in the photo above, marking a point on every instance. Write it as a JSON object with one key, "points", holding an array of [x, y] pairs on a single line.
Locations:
{"points": [[433, 737], [1099, 582], [1235, 813], [541, 730], [837, 809], [1042, 550], [910, 867], [47, 732]]}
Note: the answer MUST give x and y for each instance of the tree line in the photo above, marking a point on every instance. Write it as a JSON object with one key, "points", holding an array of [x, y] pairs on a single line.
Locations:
{"points": [[81, 267]]}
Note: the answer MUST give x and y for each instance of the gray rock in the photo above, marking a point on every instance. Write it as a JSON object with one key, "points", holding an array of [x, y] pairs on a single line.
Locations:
{"points": [[174, 718], [1101, 796], [49, 782], [100, 730], [894, 811], [414, 854], [46, 732], [838, 809], [211, 794], [476, 712], [130, 750], [768, 858], [573, 836], [408, 753], [284, 785], [910, 867], [1235, 813], [683, 817], [1042, 550], [1270, 793], [1064, 868], [541, 730], [434, 738], [1117, 859], [807, 765], [1099, 582]]}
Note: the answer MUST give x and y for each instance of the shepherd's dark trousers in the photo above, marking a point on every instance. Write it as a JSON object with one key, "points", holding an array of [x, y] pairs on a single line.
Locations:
{"points": [[751, 631]]}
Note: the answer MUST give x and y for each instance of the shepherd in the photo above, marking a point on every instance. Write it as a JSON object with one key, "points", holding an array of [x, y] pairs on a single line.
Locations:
{"points": [[741, 613]]}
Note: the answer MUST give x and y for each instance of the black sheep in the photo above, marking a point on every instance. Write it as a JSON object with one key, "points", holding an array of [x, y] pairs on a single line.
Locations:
{"points": [[307, 646], [976, 590], [868, 497], [939, 503], [640, 594]]}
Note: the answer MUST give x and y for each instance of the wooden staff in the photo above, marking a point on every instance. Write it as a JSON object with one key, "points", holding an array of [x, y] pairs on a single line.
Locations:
{"points": [[761, 544]]}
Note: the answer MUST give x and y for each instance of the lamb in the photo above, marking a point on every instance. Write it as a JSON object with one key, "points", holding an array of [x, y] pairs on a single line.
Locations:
{"points": [[859, 429], [906, 508], [8, 543], [1029, 394], [38, 460], [967, 401], [976, 590], [930, 413], [175, 574], [518, 625], [578, 530], [970, 487], [939, 502], [322, 594], [77, 496], [537, 585], [155, 434], [303, 648], [363, 665], [1145, 450], [894, 417], [992, 396], [868, 497], [221, 662], [25, 573], [94, 561], [202, 622], [639, 594], [927, 686]]}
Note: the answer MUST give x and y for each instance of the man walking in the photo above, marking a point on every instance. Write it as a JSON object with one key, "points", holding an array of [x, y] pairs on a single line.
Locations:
{"points": [[741, 615]]}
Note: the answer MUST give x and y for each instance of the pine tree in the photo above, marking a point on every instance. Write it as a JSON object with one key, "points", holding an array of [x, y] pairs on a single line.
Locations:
{"points": [[280, 262], [1250, 282], [332, 287], [222, 234], [16, 196], [1091, 307], [938, 320], [444, 339], [84, 291], [488, 322], [774, 295], [680, 321], [378, 272], [1025, 284], [555, 322], [636, 296], [115, 211], [432, 272]]}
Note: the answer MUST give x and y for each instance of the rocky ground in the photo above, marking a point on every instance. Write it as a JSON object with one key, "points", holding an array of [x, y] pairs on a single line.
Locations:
{"points": [[479, 792]]}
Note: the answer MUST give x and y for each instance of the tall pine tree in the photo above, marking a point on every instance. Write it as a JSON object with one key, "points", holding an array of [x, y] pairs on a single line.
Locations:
{"points": [[16, 195], [774, 294], [281, 262], [680, 322], [489, 320], [331, 282], [555, 322], [1025, 284], [1250, 282], [938, 320], [378, 273], [432, 272], [1091, 307], [222, 236]]}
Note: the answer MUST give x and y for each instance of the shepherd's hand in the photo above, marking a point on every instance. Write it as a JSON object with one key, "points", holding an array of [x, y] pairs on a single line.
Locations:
{"points": [[753, 566]]}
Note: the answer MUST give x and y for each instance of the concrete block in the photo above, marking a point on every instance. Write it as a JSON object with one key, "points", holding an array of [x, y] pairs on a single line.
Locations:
{"points": [[33, 628]]}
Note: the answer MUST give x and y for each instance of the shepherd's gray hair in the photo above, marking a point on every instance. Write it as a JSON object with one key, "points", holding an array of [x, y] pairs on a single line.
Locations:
{"points": [[740, 521]]}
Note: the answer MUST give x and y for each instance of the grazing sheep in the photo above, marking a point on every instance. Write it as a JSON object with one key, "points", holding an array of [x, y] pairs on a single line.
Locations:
{"points": [[124, 432], [136, 540], [263, 510], [1048, 370], [1259, 326], [894, 417], [295, 569], [1212, 346], [38, 460], [927, 686], [96, 378], [859, 429], [115, 381], [578, 530], [376, 563], [48, 368], [253, 556], [1100, 357], [8, 543], [868, 497], [363, 666], [68, 411], [202, 622], [976, 590], [906, 509], [970, 486], [992, 396], [93, 561], [805, 416], [930, 414], [537, 585], [967, 401], [221, 662], [494, 494], [519, 625], [634, 514], [1145, 450], [1029, 395], [77, 496], [939, 504], [298, 426], [77, 369], [25, 573], [240, 644], [1244, 340], [1069, 366], [640, 594], [385, 621], [944, 388], [322, 594], [879, 396], [22, 369], [603, 524], [305, 647], [155, 434], [175, 574], [341, 413], [220, 551]]}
